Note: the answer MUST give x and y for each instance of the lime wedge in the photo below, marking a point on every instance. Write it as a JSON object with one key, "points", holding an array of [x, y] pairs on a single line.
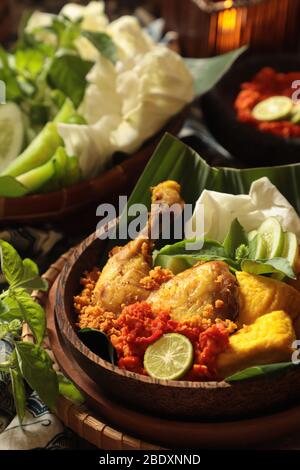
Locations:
{"points": [[273, 109], [290, 248], [11, 133], [273, 237], [170, 357]]}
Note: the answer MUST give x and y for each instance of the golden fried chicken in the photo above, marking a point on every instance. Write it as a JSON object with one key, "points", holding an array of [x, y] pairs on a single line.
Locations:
{"points": [[207, 290], [120, 283]]}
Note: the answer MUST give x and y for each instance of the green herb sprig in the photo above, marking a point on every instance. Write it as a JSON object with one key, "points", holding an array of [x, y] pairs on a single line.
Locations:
{"points": [[28, 363], [236, 251]]}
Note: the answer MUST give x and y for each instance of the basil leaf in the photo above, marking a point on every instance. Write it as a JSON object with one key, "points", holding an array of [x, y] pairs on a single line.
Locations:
{"points": [[19, 393], [3, 308], [278, 266], [104, 43], [29, 62], [177, 258], [4, 329], [36, 368], [256, 371], [12, 308], [11, 263], [66, 32], [31, 279], [32, 313], [68, 74], [8, 76], [234, 239], [68, 390]]}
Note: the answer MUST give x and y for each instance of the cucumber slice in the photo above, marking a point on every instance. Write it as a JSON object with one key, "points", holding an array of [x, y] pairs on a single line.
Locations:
{"points": [[257, 247], [176, 265], [11, 133], [273, 237], [273, 109], [290, 248], [252, 235]]}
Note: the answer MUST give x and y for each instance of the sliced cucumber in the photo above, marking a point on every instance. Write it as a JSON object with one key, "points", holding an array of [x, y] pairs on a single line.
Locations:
{"points": [[290, 248], [273, 237], [257, 247], [11, 133], [273, 109], [252, 235]]}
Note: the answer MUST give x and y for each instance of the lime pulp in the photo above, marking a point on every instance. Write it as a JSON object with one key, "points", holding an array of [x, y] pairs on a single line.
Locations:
{"points": [[170, 357]]}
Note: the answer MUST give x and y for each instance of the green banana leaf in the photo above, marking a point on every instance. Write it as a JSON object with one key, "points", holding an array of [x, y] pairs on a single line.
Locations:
{"points": [[175, 160], [207, 72], [256, 371]]}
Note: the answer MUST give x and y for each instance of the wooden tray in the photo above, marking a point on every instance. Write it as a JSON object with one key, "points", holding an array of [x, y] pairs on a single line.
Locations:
{"points": [[55, 206], [109, 425]]}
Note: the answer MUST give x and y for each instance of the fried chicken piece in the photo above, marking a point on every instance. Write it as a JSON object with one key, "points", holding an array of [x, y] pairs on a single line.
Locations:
{"points": [[207, 290], [119, 283]]}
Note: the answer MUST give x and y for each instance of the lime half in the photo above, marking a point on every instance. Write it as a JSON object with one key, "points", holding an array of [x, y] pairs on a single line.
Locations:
{"points": [[273, 109], [11, 133], [170, 357], [290, 248], [273, 237]]}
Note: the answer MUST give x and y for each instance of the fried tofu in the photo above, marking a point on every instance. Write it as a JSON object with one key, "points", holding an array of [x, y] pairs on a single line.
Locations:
{"points": [[259, 295], [268, 340]]}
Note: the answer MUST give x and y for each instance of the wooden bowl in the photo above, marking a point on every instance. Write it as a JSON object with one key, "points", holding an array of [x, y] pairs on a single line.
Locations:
{"points": [[246, 143], [173, 399], [57, 205]]}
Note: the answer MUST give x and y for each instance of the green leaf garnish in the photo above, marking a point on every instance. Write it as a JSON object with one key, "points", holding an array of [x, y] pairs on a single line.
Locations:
{"points": [[11, 263], [234, 239], [68, 390], [68, 73], [33, 314], [256, 371], [104, 43], [19, 393], [36, 368], [279, 266], [99, 343]]}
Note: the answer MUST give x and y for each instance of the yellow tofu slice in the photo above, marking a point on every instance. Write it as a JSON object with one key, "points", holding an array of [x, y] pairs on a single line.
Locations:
{"points": [[268, 340], [259, 295]]}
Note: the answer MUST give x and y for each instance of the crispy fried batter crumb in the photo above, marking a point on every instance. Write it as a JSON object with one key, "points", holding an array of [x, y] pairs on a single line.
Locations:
{"points": [[156, 278], [90, 315]]}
